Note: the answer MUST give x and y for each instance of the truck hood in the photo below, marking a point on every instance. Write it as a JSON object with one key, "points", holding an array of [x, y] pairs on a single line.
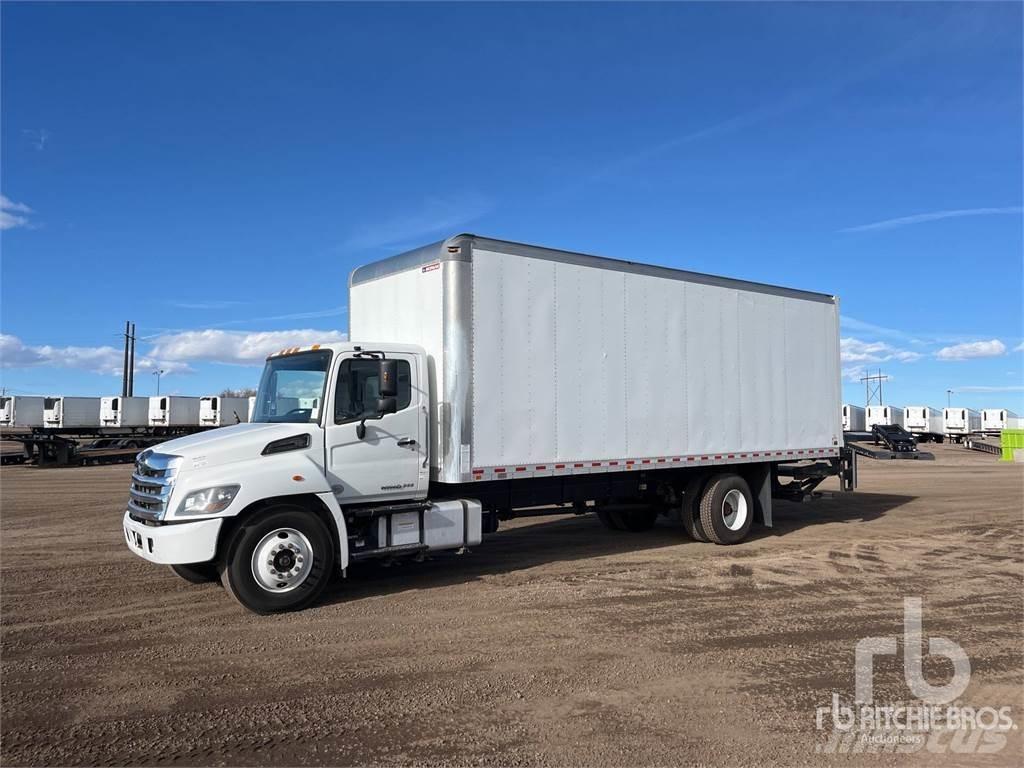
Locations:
{"points": [[238, 442]]}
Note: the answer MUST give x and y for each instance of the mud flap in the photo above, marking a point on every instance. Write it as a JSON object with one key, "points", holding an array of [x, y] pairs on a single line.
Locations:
{"points": [[760, 480]]}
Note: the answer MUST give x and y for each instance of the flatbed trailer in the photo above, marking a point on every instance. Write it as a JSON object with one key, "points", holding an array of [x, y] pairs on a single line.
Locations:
{"points": [[87, 445]]}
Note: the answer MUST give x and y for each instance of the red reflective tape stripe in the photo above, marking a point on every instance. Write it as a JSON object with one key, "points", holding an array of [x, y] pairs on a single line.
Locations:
{"points": [[731, 456], [520, 469], [542, 466], [595, 463], [500, 469], [559, 466], [613, 463], [691, 458], [629, 463], [577, 465], [646, 461], [661, 461], [718, 457]]}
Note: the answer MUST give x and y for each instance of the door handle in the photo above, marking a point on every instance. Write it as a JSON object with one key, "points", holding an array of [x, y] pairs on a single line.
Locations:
{"points": [[406, 442]]}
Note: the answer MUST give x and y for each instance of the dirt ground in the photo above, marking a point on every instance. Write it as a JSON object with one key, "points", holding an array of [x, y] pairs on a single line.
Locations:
{"points": [[555, 643]]}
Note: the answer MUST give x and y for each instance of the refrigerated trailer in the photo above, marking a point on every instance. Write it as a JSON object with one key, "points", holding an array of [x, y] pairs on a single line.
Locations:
{"points": [[957, 422], [853, 418], [21, 411], [173, 411], [118, 411], [923, 421], [886, 415], [486, 379], [71, 412], [220, 411], [998, 419]]}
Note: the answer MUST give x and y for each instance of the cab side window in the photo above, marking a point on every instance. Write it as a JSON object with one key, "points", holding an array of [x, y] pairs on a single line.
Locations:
{"points": [[359, 388]]}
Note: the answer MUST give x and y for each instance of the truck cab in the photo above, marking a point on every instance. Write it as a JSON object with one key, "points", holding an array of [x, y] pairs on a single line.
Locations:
{"points": [[275, 506]]}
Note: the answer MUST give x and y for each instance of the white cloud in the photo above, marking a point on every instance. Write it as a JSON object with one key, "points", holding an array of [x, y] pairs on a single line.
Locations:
{"points": [[37, 137], [107, 360], [921, 218], [972, 350], [235, 347], [9, 210], [853, 350], [1019, 347]]}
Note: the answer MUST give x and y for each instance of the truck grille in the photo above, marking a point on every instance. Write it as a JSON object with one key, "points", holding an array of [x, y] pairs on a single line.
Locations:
{"points": [[151, 485]]}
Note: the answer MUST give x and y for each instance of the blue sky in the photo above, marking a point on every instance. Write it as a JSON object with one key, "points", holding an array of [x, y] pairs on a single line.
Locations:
{"points": [[214, 171]]}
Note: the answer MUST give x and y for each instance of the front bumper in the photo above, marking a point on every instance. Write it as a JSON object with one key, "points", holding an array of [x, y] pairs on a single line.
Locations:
{"points": [[178, 544]]}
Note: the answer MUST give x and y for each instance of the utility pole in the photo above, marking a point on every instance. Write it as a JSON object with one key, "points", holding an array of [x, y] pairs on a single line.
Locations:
{"points": [[873, 387], [124, 371], [949, 397], [158, 373], [131, 364]]}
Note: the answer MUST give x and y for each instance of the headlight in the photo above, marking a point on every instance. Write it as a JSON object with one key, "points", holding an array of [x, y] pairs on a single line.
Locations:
{"points": [[207, 501]]}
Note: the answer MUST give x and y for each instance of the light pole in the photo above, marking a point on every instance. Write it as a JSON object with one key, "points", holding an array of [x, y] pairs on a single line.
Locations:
{"points": [[158, 373], [949, 396]]}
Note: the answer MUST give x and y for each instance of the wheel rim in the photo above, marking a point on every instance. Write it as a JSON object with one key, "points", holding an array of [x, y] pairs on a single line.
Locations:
{"points": [[734, 510], [282, 560]]}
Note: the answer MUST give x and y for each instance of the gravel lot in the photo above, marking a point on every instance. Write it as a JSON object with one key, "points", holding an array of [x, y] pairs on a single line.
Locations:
{"points": [[555, 643]]}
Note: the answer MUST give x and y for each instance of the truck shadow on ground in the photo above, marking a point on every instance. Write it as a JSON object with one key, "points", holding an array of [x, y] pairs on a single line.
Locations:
{"points": [[582, 537]]}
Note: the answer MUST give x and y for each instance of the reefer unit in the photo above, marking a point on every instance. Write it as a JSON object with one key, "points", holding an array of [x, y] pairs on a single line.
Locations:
{"points": [[21, 411], [887, 415], [120, 411], [71, 412], [998, 419], [550, 362], [218, 411], [960, 421], [173, 411], [921, 419], [853, 418]]}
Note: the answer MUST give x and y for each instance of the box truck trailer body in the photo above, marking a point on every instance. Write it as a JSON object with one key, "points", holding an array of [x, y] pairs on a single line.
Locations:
{"points": [[998, 419], [21, 411], [485, 379], [173, 411], [220, 411], [71, 412], [921, 419], [117, 411], [883, 414], [960, 421], [853, 418]]}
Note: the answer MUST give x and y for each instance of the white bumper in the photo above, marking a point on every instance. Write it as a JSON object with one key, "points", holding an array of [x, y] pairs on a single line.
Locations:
{"points": [[178, 544]]}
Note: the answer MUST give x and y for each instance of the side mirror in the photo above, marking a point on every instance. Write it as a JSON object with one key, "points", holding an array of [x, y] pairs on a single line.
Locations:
{"points": [[386, 405], [388, 380]]}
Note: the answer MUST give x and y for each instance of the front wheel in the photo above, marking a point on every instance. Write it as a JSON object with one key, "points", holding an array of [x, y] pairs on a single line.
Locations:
{"points": [[278, 560]]}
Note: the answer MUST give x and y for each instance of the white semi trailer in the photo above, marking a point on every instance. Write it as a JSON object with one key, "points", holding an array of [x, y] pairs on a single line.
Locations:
{"points": [[923, 421], [957, 422], [21, 411], [886, 415], [220, 411], [998, 419], [487, 378], [71, 412], [853, 418], [118, 411], [173, 411]]}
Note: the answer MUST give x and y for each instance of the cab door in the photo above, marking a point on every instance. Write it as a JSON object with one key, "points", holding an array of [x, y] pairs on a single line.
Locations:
{"points": [[389, 463]]}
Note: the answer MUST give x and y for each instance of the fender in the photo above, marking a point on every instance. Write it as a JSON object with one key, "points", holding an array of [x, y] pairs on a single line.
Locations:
{"points": [[331, 502]]}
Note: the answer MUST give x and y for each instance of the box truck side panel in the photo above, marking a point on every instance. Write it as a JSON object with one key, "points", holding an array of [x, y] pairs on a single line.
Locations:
{"points": [[645, 373]]}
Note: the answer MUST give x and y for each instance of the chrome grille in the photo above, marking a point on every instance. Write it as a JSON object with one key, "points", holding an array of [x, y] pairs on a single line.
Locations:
{"points": [[152, 483]]}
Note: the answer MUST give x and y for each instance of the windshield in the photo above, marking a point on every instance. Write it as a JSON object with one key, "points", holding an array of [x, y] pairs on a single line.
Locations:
{"points": [[292, 388]]}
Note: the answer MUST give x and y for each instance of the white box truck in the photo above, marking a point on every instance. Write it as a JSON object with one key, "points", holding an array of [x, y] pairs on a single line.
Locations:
{"points": [[118, 411], [21, 411], [485, 379], [998, 419], [922, 420], [887, 415], [957, 422], [220, 411], [71, 412], [173, 411], [853, 418]]}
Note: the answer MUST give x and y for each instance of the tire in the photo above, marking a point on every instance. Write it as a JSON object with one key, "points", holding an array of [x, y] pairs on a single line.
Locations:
{"points": [[727, 509], [267, 543], [609, 520], [690, 512], [199, 573]]}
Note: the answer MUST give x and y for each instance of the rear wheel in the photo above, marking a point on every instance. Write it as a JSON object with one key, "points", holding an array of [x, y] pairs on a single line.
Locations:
{"points": [[198, 573], [608, 520], [690, 512], [279, 560], [727, 509]]}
